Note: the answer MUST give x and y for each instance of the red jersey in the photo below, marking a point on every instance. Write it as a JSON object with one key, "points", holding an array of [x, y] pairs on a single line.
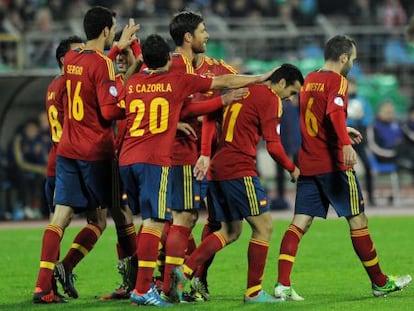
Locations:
{"points": [[55, 100], [184, 150], [153, 104], [209, 67], [322, 93], [90, 85], [244, 122]]}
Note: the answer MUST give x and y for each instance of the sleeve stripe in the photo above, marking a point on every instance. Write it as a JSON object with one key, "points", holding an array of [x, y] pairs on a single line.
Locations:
{"points": [[344, 85], [109, 64], [228, 67], [188, 65]]}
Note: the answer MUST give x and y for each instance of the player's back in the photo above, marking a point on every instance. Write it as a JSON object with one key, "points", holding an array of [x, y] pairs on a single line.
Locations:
{"points": [[90, 84], [209, 67], [243, 125], [55, 100], [153, 106], [322, 93]]}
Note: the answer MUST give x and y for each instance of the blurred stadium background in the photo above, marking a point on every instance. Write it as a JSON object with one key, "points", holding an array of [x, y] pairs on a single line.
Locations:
{"points": [[251, 35]]}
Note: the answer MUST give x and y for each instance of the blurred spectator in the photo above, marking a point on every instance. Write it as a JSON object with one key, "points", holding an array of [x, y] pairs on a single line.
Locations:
{"points": [[124, 10], [265, 8], [303, 11], [220, 8], [361, 12], [169, 8], [360, 117], [57, 9], [76, 10], [391, 13], [146, 8], [239, 8], [405, 150], [27, 168], [396, 52], [41, 51], [385, 133]]}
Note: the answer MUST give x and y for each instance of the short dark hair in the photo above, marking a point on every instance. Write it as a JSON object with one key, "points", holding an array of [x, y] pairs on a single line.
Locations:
{"points": [[64, 47], [155, 51], [289, 72], [183, 22], [95, 20], [338, 45]]}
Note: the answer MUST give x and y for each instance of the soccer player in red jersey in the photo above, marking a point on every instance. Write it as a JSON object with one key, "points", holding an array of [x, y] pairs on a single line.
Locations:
{"points": [[85, 153], [326, 160], [190, 36], [126, 60], [55, 100], [154, 100], [235, 187], [208, 66]]}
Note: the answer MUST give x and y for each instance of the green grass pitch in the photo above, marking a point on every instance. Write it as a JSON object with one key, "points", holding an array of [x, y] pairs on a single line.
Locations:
{"points": [[327, 272]]}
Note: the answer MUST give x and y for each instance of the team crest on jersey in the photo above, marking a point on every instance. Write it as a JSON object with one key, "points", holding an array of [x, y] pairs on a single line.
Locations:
{"points": [[113, 91], [339, 101]]}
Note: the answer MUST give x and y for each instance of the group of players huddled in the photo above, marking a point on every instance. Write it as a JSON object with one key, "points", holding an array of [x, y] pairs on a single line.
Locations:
{"points": [[174, 131]]}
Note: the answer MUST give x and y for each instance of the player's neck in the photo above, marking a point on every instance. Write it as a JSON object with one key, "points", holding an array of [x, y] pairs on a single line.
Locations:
{"points": [[95, 44], [187, 52], [332, 66]]}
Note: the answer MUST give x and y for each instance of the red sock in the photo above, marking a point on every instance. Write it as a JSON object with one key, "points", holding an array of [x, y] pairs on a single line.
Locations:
{"points": [[147, 252], [211, 245], [126, 245], [287, 253], [161, 248], [201, 271], [256, 254], [82, 245], [175, 247], [49, 254], [364, 247]]}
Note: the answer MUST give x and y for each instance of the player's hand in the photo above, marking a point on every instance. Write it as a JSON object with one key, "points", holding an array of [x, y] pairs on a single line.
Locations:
{"points": [[187, 129], [234, 95], [295, 174], [201, 167], [350, 156], [131, 23], [128, 34], [265, 76], [355, 135]]}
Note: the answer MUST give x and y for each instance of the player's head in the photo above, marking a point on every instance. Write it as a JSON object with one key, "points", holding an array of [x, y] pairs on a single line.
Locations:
{"points": [[65, 45], [189, 27], [122, 59], [97, 20], [286, 80], [342, 50], [155, 51]]}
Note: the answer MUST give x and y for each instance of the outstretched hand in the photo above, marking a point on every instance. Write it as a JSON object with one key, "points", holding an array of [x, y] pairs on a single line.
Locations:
{"points": [[234, 95], [187, 129], [201, 167], [355, 135], [128, 34]]}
